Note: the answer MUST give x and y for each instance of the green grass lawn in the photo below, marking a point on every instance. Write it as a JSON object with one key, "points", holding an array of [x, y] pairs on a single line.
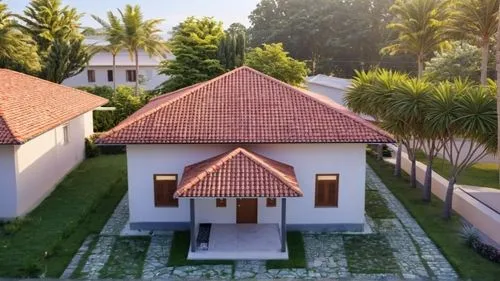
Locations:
{"points": [[376, 207], [53, 232], [466, 262], [480, 174], [369, 254], [296, 253], [126, 259], [179, 252]]}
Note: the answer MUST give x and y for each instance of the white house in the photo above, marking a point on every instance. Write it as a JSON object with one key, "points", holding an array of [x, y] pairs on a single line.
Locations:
{"points": [[99, 71], [330, 86], [240, 159], [42, 130]]}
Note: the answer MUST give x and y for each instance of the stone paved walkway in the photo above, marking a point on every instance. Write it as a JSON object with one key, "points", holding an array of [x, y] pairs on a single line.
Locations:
{"points": [[415, 254], [437, 263]]}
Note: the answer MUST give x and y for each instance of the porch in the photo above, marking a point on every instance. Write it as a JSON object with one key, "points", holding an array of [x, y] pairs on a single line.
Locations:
{"points": [[224, 194], [241, 242]]}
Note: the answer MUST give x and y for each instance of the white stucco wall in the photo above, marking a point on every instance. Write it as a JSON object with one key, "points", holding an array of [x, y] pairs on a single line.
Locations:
{"points": [[7, 182], [348, 160], [150, 73], [40, 164]]}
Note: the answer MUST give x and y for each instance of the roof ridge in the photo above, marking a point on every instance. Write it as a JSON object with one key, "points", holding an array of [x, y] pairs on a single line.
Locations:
{"points": [[307, 94], [278, 174], [50, 83], [230, 155], [189, 90]]}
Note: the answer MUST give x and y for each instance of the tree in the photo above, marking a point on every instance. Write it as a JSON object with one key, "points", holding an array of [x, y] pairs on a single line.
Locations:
{"points": [[112, 30], [371, 93], [17, 50], [404, 117], [56, 30], [461, 61], [475, 20], [420, 28], [232, 47], [341, 36], [134, 33], [467, 117], [274, 61], [194, 43]]}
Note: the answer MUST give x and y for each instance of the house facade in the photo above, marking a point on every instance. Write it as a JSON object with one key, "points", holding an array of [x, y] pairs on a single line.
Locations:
{"points": [[42, 131], [99, 71], [241, 151]]}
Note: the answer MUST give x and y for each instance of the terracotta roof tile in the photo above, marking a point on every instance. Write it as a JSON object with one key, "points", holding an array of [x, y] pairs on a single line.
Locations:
{"points": [[239, 173], [30, 106], [243, 106]]}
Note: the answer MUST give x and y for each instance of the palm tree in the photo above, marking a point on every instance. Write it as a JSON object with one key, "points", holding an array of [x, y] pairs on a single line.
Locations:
{"points": [[420, 28], [498, 98], [16, 48], [136, 34], [404, 117], [111, 30], [463, 113], [475, 20]]}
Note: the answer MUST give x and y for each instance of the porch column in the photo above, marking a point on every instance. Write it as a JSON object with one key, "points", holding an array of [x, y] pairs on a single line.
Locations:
{"points": [[283, 224], [192, 226]]}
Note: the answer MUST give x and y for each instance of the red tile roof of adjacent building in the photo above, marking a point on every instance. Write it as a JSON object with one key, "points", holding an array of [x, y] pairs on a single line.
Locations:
{"points": [[30, 106], [239, 173], [243, 106]]}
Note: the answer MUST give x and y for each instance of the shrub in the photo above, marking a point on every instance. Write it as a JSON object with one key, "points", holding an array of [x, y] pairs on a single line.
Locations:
{"points": [[471, 237], [91, 149], [15, 225], [105, 149]]}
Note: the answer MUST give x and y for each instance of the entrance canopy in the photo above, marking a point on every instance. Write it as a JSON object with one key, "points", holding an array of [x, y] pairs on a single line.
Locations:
{"points": [[238, 173]]}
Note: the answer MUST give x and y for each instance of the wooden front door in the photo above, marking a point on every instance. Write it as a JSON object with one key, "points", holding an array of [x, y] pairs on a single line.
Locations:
{"points": [[246, 210]]}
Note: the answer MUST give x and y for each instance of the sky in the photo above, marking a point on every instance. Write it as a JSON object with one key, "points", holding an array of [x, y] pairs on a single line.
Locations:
{"points": [[173, 11]]}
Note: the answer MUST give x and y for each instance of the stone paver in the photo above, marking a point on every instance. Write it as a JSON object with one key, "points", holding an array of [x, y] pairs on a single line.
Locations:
{"points": [[325, 255], [98, 257], [155, 264], [403, 248], [118, 220], [440, 267], [73, 265]]}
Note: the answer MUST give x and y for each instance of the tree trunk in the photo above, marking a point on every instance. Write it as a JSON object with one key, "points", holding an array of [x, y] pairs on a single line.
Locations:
{"points": [[114, 73], [427, 189], [420, 65], [136, 72], [448, 202], [397, 168], [484, 60], [380, 151], [413, 172]]}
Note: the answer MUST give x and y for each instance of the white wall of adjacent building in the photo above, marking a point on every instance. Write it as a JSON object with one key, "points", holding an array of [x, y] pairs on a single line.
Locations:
{"points": [[347, 160], [33, 169], [102, 62]]}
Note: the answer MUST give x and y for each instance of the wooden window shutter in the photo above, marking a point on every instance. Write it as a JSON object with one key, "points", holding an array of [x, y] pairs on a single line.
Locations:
{"points": [[327, 188], [164, 189]]}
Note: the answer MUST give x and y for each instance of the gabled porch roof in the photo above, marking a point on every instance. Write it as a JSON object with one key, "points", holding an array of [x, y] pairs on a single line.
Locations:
{"points": [[238, 173]]}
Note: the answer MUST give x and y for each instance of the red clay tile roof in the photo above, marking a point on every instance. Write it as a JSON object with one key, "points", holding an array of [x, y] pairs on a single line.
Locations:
{"points": [[30, 106], [243, 106], [238, 173]]}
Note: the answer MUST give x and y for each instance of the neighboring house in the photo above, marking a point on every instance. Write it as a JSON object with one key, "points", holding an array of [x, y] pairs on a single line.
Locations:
{"points": [[99, 71], [329, 86], [242, 158], [42, 130]]}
